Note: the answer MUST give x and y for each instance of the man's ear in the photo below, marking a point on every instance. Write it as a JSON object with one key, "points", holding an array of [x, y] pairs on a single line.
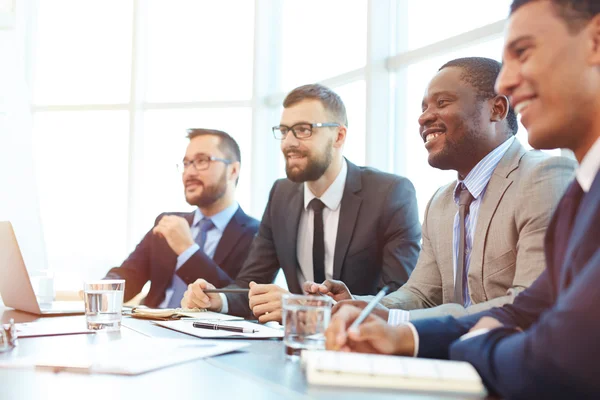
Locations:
{"points": [[341, 137], [500, 108], [234, 174], [594, 34]]}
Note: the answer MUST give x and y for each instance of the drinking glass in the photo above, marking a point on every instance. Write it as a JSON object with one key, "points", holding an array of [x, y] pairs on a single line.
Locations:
{"points": [[103, 303], [305, 319]]}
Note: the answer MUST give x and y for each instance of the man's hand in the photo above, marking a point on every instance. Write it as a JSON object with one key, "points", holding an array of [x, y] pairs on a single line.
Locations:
{"points": [[379, 310], [194, 297], [337, 290], [176, 231], [265, 301], [486, 323], [374, 335]]}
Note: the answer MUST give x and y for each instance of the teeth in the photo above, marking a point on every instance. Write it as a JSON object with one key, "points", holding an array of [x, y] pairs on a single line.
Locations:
{"points": [[431, 136], [522, 106]]}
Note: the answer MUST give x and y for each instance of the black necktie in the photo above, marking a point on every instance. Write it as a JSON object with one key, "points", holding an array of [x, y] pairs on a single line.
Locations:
{"points": [[318, 241], [464, 201]]}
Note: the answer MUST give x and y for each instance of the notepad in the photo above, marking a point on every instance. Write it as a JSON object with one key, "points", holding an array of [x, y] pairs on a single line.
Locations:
{"points": [[125, 357], [264, 332], [332, 368]]}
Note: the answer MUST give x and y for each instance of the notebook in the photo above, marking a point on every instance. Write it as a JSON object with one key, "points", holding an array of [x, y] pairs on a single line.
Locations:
{"points": [[186, 326], [125, 357], [332, 368]]}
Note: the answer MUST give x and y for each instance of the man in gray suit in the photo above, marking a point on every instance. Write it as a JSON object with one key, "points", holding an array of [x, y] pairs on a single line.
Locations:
{"points": [[508, 193], [329, 220]]}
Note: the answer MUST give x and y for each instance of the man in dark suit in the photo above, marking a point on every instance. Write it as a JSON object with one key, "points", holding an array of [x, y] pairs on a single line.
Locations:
{"points": [[329, 220], [211, 243], [544, 345]]}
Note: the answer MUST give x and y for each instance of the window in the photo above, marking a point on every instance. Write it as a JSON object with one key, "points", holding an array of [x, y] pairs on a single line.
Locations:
{"points": [[200, 50], [321, 39], [429, 21], [354, 97], [78, 59], [81, 163]]}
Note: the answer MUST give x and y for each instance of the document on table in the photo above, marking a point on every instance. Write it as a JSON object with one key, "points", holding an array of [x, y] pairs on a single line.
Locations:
{"points": [[185, 326], [52, 327], [167, 314], [125, 357]]}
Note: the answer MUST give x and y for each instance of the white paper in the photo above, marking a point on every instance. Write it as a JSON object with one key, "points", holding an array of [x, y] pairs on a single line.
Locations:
{"points": [[52, 327], [127, 357], [185, 326]]}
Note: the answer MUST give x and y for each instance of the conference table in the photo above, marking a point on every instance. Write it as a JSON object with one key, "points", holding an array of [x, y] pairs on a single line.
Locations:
{"points": [[259, 371]]}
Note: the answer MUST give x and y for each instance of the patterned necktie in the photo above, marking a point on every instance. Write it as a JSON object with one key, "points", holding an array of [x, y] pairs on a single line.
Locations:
{"points": [[178, 285], [464, 201], [318, 241]]}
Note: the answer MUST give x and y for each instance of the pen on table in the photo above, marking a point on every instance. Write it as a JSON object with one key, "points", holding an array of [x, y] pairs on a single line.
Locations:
{"points": [[367, 310], [208, 325], [240, 291]]}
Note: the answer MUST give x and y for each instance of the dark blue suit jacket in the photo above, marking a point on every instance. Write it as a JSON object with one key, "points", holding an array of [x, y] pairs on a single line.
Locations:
{"points": [[558, 353], [153, 260]]}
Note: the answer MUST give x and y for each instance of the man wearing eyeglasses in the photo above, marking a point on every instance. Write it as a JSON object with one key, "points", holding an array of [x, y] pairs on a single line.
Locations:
{"points": [[329, 220], [211, 242]]}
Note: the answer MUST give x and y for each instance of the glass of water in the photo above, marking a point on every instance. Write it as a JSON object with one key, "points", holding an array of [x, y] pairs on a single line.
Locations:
{"points": [[305, 319], [103, 303]]}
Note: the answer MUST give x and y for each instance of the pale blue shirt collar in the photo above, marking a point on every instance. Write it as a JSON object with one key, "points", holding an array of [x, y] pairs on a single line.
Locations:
{"points": [[477, 180], [220, 219], [590, 165], [334, 193]]}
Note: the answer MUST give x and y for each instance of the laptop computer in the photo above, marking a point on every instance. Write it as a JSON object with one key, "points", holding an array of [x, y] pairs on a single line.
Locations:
{"points": [[15, 286]]}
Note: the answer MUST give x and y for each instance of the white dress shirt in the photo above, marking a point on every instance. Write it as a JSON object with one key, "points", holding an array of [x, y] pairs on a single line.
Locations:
{"points": [[332, 198], [588, 169]]}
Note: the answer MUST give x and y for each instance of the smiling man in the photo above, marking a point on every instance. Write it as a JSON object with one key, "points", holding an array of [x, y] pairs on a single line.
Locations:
{"points": [[330, 219], [545, 344], [211, 242], [483, 233]]}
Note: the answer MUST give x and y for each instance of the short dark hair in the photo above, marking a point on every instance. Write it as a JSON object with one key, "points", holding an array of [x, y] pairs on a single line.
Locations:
{"points": [[330, 100], [575, 13], [481, 73], [227, 145]]}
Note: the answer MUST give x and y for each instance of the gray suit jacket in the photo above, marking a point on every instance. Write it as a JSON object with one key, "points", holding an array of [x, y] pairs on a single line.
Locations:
{"points": [[377, 242], [507, 254]]}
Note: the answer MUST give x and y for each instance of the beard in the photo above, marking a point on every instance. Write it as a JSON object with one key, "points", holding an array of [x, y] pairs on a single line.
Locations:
{"points": [[210, 193], [315, 167]]}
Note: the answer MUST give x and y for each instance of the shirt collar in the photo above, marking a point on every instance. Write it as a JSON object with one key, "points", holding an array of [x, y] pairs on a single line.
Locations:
{"points": [[477, 180], [589, 167], [333, 195], [220, 219]]}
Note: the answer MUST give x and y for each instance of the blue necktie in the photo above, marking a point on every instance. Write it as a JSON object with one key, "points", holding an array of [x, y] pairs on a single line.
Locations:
{"points": [[565, 218], [178, 285]]}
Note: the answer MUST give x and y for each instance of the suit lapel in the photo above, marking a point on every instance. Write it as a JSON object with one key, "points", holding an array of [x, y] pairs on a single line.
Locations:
{"points": [[584, 223], [348, 215], [230, 237], [442, 229], [293, 212], [497, 186]]}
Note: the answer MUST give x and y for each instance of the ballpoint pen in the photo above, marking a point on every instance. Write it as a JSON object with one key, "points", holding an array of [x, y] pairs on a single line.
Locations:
{"points": [[367, 310], [208, 325]]}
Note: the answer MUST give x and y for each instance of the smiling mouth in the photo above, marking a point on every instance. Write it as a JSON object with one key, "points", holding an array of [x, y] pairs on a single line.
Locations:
{"points": [[432, 136], [519, 108]]}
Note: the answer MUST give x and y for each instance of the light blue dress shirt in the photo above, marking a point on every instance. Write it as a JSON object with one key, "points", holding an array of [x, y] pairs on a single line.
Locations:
{"points": [[213, 236]]}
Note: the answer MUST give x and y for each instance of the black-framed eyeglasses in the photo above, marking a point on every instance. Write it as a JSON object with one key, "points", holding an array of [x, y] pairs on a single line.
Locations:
{"points": [[200, 163], [302, 130]]}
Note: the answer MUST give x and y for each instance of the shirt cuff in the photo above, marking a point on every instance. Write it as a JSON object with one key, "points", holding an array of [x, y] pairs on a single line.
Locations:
{"points": [[224, 305], [398, 317], [183, 257], [415, 337]]}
